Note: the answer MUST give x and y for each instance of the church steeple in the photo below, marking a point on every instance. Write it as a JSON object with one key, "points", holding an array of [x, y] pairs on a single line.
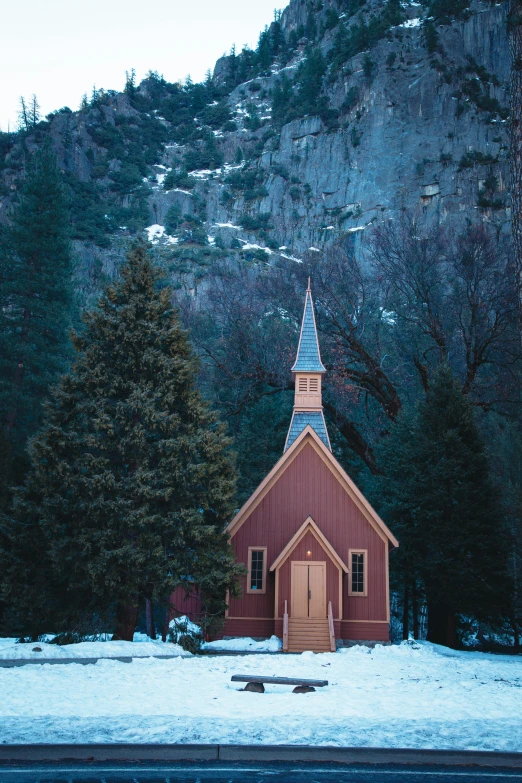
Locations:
{"points": [[308, 357], [308, 370]]}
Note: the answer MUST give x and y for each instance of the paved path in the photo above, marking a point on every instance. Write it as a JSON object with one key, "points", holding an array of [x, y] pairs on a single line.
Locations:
{"points": [[52, 755], [255, 773], [11, 663]]}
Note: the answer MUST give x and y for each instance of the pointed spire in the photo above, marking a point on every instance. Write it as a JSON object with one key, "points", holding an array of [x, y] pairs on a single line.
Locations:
{"points": [[308, 357], [308, 368]]}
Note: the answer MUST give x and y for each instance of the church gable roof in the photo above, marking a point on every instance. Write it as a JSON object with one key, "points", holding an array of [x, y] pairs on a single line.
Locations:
{"points": [[308, 357], [308, 525], [309, 437]]}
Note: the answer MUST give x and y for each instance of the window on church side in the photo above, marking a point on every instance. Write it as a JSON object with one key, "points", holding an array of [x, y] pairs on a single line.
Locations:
{"points": [[314, 385], [303, 384], [357, 572], [256, 570]]}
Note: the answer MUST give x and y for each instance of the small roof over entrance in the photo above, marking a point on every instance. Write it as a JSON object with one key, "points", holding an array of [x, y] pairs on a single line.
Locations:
{"points": [[308, 525]]}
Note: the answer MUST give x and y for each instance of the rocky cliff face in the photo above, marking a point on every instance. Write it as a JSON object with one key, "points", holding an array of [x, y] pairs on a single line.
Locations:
{"points": [[415, 122]]}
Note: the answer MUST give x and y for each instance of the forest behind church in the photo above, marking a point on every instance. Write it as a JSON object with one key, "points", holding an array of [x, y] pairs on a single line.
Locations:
{"points": [[417, 307]]}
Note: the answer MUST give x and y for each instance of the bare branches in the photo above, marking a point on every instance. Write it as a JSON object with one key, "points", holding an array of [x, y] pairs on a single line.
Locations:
{"points": [[386, 320], [451, 300]]}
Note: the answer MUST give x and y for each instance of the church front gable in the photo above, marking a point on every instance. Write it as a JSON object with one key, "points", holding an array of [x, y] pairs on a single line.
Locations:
{"points": [[308, 484]]}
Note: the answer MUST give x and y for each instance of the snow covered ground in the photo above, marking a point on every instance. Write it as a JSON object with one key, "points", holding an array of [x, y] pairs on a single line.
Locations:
{"points": [[141, 646], [417, 696]]}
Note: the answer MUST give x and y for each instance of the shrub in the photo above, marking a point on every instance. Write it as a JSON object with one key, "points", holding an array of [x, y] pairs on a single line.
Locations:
{"points": [[178, 179], [369, 66], [351, 100], [172, 219], [474, 158], [256, 222], [184, 633]]}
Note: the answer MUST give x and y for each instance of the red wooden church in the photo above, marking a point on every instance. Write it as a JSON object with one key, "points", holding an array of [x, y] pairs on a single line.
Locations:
{"points": [[316, 551]]}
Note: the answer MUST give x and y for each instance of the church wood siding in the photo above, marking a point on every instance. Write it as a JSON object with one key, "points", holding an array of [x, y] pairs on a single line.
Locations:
{"points": [[308, 487]]}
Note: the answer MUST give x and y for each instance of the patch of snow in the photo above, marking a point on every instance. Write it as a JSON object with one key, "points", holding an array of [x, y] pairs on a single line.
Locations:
{"points": [[227, 225], [356, 228], [155, 232], [142, 646], [230, 167], [314, 249], [211, 240], [413, 695], [288, 67], [411, 23], [245, 644], [291, 258], [250, 246], [204, 173]]}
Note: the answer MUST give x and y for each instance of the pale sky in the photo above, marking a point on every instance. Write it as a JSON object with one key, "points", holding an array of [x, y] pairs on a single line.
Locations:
{"points": [[59, 49]]}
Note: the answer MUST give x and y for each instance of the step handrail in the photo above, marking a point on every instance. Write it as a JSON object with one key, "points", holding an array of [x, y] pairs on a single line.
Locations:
{"points": [[331, 627], [285, 628]]}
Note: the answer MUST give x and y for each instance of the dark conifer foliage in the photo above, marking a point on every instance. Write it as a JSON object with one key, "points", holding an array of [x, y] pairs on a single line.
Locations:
{"points": [[439, 499], [132, 481], [35, 297]]}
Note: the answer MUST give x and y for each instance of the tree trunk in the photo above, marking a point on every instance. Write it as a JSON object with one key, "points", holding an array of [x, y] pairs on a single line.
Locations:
{"points": [[415, 610], [406, 610], [516, 632], [441, 624], [149, 619], [514, 26], [126, 619]]}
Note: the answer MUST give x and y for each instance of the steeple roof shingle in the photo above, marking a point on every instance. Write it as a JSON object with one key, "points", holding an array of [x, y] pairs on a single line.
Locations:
{"points": [[308, 357]]}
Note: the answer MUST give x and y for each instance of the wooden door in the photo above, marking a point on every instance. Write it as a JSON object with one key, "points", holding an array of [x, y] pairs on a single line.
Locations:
{"points": [[299, 590], [316, 590], [308, 590]]}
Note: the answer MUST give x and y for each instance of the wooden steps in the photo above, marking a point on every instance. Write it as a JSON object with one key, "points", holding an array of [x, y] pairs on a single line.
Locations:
{"points": [[308, 634]]}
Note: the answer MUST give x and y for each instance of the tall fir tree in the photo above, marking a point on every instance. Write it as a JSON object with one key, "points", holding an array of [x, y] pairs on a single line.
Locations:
{"points": [[132, 480], [438, 495], [35, 298]]}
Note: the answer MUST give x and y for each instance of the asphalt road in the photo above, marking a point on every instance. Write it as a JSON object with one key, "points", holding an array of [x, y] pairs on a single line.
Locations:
{"points": [[253, 773]]}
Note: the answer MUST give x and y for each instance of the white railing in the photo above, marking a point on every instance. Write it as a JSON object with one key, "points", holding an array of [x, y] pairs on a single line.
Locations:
{"points": [[331, 627], [285, 628]]}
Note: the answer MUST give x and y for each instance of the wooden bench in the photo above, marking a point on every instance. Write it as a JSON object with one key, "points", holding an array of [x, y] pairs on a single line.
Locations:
{"points": [[256, 683]]}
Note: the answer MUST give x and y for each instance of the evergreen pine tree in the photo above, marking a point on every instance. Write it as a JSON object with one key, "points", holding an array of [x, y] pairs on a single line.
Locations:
{"points": [[310, 77], [35, 298], [446, 510], [132, 481]]}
